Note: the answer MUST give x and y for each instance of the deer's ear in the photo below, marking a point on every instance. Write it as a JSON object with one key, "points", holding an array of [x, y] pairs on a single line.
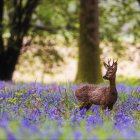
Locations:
{"points": [[115, 63], [106, 66]]}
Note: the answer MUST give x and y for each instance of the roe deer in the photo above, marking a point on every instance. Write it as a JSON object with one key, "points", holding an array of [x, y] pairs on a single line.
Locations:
{"points": [[106, 97]]}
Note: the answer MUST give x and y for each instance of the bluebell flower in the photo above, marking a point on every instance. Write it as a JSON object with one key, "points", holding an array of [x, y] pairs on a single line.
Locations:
{"points": [[82, 112], [56, 135], [10, 136], [34, 116], [25, 122], [120, 88], [3, 123], [77, 135]]}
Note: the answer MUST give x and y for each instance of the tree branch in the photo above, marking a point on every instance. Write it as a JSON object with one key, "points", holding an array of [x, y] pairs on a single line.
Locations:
{"points": [[49, 29], [28, 10], [52, 29]]}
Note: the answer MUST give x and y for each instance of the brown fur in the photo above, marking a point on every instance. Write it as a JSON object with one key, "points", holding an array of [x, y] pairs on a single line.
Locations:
{"points": [[104, 96]]}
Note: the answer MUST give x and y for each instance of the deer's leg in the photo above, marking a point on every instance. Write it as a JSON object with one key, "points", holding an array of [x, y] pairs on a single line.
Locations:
{"points": [[110, 107], [86, 106], [104, 107]]}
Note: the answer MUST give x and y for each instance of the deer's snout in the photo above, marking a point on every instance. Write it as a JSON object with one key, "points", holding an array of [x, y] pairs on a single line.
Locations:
{"points": [[105, 77]]}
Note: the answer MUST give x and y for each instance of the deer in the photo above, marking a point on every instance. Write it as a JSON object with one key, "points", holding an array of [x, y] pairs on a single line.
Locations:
{"points": [[106, 97]]}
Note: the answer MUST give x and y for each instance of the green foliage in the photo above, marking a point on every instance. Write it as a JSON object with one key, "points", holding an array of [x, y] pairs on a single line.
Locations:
{"points": [[135, 93], [124, 97], [59, 17], [128, 80], [104, 132], [13, 126], [2, 134], [118, 19], [119, 22]]}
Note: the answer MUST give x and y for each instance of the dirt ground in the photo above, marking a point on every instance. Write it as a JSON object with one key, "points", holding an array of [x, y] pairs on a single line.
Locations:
{"points": [[128, 65]]}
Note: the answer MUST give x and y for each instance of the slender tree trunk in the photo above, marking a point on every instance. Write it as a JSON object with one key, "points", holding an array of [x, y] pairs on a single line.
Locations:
{"points": [[89, 69], [1, 26]]}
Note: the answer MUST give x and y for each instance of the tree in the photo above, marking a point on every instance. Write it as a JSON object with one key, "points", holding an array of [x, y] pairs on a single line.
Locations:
{"points": [[89, 69], [119, 22], [17, 24], [61, 17]]}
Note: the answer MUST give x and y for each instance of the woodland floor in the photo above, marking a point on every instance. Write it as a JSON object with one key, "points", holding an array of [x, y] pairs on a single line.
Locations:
{"points": [[128, 64]]}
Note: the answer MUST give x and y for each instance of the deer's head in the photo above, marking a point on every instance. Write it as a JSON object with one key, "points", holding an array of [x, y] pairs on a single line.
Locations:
{"points": [[111, 70]]}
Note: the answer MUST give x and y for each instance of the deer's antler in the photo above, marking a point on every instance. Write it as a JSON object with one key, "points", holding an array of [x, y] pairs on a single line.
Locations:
{"points": [[114, 62], [109, 60]]}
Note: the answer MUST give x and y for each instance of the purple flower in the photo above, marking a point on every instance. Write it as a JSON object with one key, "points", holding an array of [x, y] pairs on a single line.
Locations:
{"points": [[82, 112], [56, 135], [10, 136], [77, 135], [39, 111], [128, 134], [25, 122], [94, 120], [120, 87], [3, 123], [138, 89], [54, 114]]}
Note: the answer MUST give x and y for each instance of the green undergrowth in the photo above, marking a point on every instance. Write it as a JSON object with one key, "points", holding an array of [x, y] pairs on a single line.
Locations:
{"points": [[134, 81]]}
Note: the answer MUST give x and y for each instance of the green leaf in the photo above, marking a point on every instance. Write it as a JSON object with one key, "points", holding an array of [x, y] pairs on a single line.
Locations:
{"points": [[2, 134]]}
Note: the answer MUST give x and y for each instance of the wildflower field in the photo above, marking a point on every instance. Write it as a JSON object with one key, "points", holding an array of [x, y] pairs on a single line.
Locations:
{"points": [[35, 111]]}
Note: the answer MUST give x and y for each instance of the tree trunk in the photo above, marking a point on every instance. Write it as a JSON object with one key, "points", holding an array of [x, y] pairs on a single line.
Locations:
{"points": [[89, 69], [1, 25], [19, 26], [8, 61]]}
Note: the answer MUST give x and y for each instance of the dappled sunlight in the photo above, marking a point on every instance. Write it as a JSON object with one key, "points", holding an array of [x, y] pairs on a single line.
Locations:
{"points": [[128, 66]]}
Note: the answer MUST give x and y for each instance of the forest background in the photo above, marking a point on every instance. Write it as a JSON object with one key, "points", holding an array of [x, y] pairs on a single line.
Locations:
{"points": [[64, 41]]}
